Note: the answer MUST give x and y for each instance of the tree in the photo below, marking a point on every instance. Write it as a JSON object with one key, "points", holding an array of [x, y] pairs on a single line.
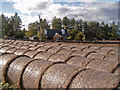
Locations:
{"points": [[66, 21], [56, 23], [79, 36]]}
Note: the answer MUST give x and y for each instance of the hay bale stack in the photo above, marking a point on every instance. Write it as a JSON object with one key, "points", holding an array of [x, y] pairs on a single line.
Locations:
{"points": [[44, 49], [43, 55], [15, 70], [103, 65], [4, 60], [33, 73], [94, 79], [67, 52], [58, 76], [59, 58], [78, 61], [54, 49]]}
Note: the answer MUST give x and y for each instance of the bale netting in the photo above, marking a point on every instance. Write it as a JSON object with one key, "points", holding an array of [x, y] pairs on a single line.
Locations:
{"points": [[15, 70], [43, 55], [60, 58], [78, 61], [103, 65], [4, 60], [58, 76], [94, 79], [33, 73]]}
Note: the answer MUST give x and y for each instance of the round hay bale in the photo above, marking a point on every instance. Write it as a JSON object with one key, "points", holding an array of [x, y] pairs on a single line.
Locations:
{"points": [[33, 73], [25, 47], [33, 44], [67, 52], [12, 45], [11, 50], [54, 50], [96, 56], [94, 79], [117, 71], [104, 50], [31, 54], [43, 55], [103, 65], [34, 47], [59, 58], [44, 49], [26, 43], [111, 57], [78, 61], [20, 52], [15, 70], [3, 61], [4, 49], [58, 76]]}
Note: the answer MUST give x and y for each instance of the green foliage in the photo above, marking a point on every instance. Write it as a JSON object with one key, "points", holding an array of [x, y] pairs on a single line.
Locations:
{"points": [[56, 23], [79, 36], [6, 86]]}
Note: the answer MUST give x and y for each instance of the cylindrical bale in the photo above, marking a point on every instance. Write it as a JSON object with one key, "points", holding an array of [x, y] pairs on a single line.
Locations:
{"points": [[44, 49], [78, 61], [20, 52], [59, 58], [4, 49], [104, 50], [33, 44], [33, 73], [4, 59], [89, 50], [94, 79], [15, 70], [96, 56], [43, 55], [27, 43], [34, 47], [103, 65], [25, 47], [58, 76], [31, 54], [80, 53], [11, 50], [67, 52], [117, 71], [79, 47], [112, 57], [54, 50]]}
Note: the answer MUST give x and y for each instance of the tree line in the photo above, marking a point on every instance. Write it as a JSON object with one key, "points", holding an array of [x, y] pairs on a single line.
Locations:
{"points": [[77, 29]]}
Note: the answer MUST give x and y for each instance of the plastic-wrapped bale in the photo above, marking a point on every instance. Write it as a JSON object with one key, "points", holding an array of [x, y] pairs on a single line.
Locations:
{"points": [[4, 49], [33, 73], [96, 56], [31, 54], [11, 50], [78, 61], [103, 65], [33, 44], [81, 53], [94, 79], [20, 52], [43, 55], [112, 57], [58, 76], [4, 60], [60, 58], [25, 47], [15, 70], [43, 49], [54, 50], [67, 52]]}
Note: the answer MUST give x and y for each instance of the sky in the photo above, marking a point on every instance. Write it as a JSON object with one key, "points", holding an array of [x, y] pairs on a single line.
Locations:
{"points": [[90, 10]]}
